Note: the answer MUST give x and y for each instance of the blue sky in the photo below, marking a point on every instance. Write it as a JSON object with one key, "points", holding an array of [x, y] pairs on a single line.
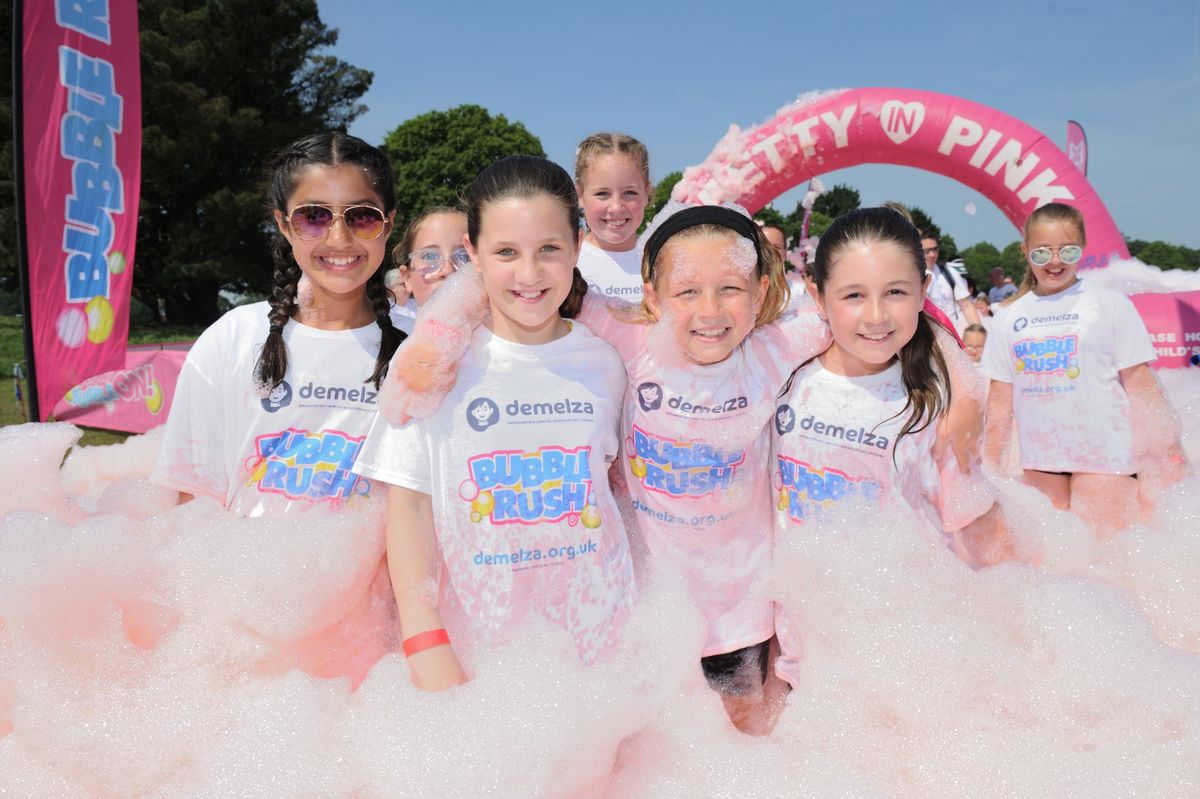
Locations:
{"points": [[677, 74]]}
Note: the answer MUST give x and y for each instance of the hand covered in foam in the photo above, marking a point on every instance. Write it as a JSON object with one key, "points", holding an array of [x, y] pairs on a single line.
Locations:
{"points": [[424, 368]]}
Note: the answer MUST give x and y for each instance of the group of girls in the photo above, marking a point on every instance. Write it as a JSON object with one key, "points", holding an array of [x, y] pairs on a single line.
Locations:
{"points": [[734, 416]]}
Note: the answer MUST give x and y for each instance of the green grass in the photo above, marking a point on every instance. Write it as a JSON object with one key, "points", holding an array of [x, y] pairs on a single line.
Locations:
{"points": [[12, 350]]}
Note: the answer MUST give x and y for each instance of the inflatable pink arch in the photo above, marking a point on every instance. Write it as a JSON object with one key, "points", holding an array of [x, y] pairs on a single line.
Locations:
{"points": [[1015, 166]]}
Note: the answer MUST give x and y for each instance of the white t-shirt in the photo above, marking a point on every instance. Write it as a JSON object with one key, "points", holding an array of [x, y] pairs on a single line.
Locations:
{"points": [[612, 274], [832, 444], [1063, 354], [291, 450], [404, 316], [695, 446], [516, 463], [946, 297]]}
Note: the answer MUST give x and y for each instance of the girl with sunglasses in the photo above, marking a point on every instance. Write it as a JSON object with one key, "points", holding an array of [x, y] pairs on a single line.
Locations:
{"points": [[275, 398], [1067, 358], [429, 252]]}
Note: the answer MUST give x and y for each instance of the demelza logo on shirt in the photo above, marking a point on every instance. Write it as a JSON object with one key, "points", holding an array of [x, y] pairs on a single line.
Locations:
{"points": [[854, 435], [732, 404], [363, 394], [483, 412]]}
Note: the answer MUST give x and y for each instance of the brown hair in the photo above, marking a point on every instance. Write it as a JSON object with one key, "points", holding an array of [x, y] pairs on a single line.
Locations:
{"points": [[1050, 212], [527, 176], [922, 365], [607, 144], [328, 148]]}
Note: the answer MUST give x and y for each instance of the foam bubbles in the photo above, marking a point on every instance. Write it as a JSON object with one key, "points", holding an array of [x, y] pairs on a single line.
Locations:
{"points": [[154, 650]]}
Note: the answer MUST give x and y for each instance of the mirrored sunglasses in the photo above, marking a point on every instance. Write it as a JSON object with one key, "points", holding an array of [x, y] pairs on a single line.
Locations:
{"points": [[1068, 254], [428, 262], [314, 221]]}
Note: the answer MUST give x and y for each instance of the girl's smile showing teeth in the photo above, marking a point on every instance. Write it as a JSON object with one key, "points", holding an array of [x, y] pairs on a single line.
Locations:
{"points": [[529, 295], [876, 337], [712, 334], [340, 262]]}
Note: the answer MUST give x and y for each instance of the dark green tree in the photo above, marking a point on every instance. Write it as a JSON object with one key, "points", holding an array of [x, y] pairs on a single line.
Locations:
{"points": [[837, 200], [224, 84], [8, 212], [1166, 256], [769, 216], [947, 248], [819, 223], [924, 224], [979, 260], [662, 195], [1013, 261], [435, 155]]}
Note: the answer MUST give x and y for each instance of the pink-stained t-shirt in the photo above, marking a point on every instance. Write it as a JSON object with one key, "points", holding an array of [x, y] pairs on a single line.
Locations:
{"points": [[695, 445], [1063, 354], [834, 446], [516, 464]]}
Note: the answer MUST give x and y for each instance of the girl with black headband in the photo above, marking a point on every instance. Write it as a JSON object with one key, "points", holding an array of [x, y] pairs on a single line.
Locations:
{"points": [[706, 353], [695, 437]]}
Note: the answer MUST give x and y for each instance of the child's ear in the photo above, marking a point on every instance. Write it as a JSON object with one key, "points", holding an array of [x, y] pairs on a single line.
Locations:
{"points": [[650, 300], [470, 248], [284, 229], [764, 284], [815, 293]]}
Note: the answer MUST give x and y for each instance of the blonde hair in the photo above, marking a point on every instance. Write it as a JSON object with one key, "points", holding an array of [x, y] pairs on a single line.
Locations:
{"points": [[608, 144], [769, 263], [1050, 212]]}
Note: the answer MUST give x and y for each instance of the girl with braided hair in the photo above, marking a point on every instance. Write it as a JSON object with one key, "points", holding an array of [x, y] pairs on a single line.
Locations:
{"points": [[275, 398]]}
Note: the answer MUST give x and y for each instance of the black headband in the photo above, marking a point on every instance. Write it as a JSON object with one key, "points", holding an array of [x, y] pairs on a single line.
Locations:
{"points": [[744, 226]]}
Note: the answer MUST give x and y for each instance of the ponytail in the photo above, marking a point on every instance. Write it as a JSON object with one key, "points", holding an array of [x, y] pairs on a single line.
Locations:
{"points": [[573, 304], [926, 380]]}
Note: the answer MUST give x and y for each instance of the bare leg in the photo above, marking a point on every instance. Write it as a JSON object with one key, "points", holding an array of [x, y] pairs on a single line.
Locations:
{"points": [[1056, 486], [1108, 503]]}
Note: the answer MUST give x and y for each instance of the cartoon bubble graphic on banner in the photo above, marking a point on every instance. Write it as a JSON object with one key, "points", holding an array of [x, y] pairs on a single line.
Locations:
{"points": [[468, 490], [99, 319], [116, 262], [72, 327], [154, 400]]}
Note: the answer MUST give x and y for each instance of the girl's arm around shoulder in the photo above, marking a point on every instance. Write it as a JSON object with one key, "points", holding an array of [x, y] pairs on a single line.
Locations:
{"points": [[624, 325], [425, 367], [798, 336], [413, 566]]}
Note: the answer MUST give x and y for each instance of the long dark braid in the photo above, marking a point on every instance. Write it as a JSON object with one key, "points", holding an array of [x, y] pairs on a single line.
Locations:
{"points": [[273, 361], [327, 148], [382, 299]]}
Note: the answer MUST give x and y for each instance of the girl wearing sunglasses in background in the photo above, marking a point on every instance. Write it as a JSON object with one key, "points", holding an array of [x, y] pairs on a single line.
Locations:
{"points": [[1067, 358], [429, 252], [275, 398]]}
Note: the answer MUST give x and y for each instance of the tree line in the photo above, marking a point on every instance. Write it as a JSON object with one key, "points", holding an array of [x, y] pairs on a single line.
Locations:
{"points": [[225, 83]]}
